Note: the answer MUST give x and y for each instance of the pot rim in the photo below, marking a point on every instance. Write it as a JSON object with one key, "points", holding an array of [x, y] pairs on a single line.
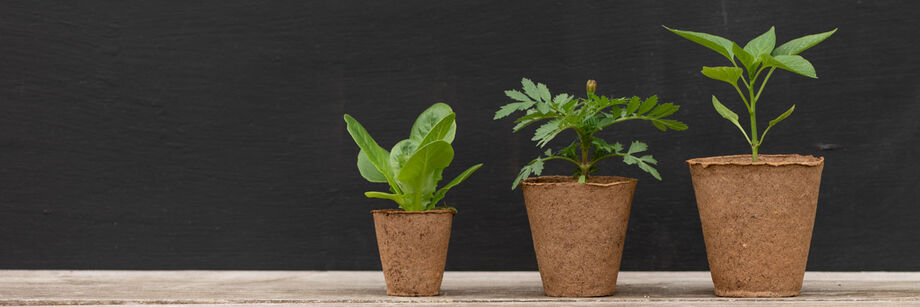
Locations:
{"points": [[803, 160], [617, 181], [401, 211]]}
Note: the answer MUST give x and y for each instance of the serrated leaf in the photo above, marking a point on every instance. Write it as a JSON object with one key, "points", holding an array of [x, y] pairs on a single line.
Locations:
{"points": [[511, 108], [549, 152], [514, 94], [716, 43], [616, 112], [723, 73], [546, 132], [670, 123], [530, 89], [648, 159], [663, 110], [659, 125], [544, 93], [648, 104], [561, 99], [635, 147], [793, 63], [651, 170], [762, 44], [543, 108], [537, 167], [633, 105], [800, 44]]}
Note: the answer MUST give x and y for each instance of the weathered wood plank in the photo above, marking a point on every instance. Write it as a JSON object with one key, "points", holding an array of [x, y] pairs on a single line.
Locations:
{"points": [[353, 287]]}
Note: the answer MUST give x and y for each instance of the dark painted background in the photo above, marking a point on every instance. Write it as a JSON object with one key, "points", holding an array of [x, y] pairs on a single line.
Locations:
{"points": [[209, 135]]}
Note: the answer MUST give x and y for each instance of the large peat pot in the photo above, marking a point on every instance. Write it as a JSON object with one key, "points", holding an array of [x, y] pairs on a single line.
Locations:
{"points": [[578, 231], [757, 220], [413, 249]]}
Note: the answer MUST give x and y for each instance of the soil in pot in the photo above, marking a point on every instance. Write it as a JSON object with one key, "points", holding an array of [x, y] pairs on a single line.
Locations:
{"points": [[757, 220], [413, 249], [578, 231]]}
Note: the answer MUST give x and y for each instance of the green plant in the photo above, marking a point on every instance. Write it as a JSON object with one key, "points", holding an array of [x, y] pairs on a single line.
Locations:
{"points": [[756, 56], [413, 167], [585, 116]]}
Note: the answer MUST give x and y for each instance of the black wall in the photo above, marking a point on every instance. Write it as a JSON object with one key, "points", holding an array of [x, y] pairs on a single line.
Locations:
{"points": [[209, 135]]}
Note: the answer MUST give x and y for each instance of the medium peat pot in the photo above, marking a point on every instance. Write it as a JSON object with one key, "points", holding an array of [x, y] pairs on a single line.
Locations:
{"points": [[578, 231], [757, 220], [413, 249]]}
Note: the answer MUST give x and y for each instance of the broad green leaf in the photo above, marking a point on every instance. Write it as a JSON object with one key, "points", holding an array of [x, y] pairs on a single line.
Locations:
{"points": [[428, 119], [394, 197], [648, 104], [633, 105], [716, 43], [421, 173], [514, 94], [530, 89], [368, 170], [378, 156], [800, 44], [746, 58], [457, 180], [778, 119], [729, 115], [544, 93], [400, 154], [793, 63], [723, 73], [781, 117], [441, 130], [762, 45]]}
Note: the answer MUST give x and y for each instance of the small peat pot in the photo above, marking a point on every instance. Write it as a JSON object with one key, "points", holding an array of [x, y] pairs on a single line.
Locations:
{"points": [[757, 220], [578, 231], [413, 249]]}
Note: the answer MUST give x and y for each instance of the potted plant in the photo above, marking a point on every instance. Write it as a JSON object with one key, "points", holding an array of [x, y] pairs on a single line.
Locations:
{"points": [[579, 222], [757, 211], [412, 240]]}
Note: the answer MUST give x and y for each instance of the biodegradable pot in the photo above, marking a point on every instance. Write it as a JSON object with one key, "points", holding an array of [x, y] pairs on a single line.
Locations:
{"points": [[578, 231], [757, 220], [413, 249]]}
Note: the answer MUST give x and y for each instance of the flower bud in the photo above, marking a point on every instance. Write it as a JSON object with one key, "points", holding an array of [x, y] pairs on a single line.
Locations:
{"points": [[591, 86]]}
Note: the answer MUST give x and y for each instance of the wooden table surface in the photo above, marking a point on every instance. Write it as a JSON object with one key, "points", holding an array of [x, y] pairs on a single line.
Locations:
{"points": [[346, 288]]}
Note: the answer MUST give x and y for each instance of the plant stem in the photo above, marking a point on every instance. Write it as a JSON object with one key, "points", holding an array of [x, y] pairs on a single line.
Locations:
{"points": [[585, 165]]}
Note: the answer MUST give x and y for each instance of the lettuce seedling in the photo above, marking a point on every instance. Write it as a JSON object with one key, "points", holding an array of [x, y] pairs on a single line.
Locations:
{"points": [[585, 116], [756, 56], [413, 167]]}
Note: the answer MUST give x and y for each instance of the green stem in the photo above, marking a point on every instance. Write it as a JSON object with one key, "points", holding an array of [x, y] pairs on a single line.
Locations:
{"points": [[585, 155]]}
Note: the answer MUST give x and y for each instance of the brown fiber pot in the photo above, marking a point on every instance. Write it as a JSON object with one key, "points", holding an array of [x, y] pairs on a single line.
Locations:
{"points": [[413, 249], [757, 220], [578, 231]]}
